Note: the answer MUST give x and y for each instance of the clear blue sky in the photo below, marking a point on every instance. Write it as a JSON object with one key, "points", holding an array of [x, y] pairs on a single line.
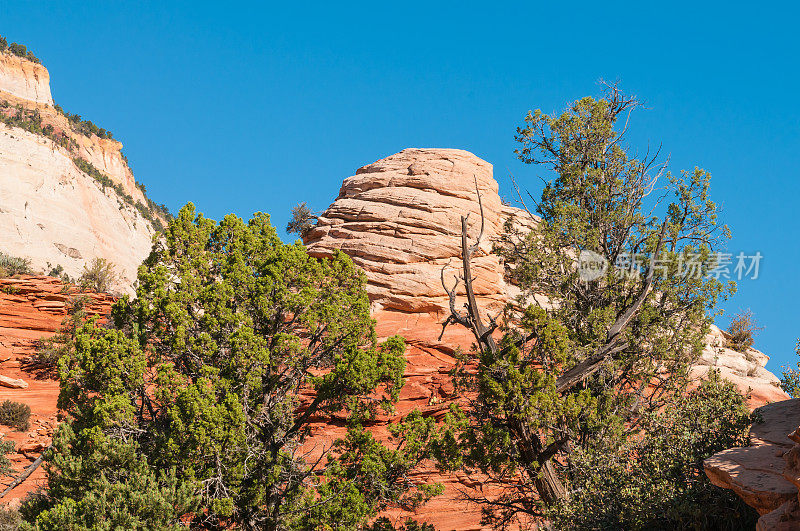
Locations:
{"points": [[242, 107]]}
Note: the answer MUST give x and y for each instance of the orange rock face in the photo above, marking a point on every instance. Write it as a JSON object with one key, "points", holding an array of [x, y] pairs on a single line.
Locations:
{"points": [[33, 308]]}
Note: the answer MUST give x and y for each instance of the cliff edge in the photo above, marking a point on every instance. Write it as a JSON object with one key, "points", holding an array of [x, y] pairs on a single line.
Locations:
{"points": [[67, 194]]}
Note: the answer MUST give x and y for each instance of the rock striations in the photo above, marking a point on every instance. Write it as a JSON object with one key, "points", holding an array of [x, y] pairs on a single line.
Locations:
{"points": [[51, 210], [399, 220]]}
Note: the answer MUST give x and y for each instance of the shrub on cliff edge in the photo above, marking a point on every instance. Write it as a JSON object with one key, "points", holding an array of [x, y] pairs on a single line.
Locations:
{"points": [[14, 265], [742, 330], [99, 277]]}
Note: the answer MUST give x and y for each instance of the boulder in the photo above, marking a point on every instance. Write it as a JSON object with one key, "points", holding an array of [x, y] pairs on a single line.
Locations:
{"points": [[766, 475]]}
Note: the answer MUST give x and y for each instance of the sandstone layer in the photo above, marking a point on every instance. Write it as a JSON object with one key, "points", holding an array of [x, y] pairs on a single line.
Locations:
{"points": [[33, 308], [51, 211], [399, 219], [766, 475]]}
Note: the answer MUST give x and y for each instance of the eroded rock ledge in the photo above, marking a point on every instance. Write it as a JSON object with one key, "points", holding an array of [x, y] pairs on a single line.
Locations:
{"points": [[766, 475]]}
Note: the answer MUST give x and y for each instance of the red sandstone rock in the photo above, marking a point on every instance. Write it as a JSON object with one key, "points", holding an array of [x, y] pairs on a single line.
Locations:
{"points": [[23, 321]]}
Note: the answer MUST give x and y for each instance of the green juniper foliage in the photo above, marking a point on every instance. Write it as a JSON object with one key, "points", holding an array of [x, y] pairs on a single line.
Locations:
{"points": [[790, 377], [198, 401], [657, 481], [584, 373]]}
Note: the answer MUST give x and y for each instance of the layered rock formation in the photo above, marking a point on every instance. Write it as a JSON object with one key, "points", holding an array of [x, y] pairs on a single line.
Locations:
{"points": [[24, 79], [766, 475], [52, 211], [399, 220], [33, 308]]}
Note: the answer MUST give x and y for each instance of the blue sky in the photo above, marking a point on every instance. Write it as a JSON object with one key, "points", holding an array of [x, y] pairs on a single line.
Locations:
{"points": [[241, 107]]}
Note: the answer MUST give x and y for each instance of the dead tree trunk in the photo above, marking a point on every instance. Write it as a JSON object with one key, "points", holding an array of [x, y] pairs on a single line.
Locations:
{"points": [[539, 459], [543, 473]]}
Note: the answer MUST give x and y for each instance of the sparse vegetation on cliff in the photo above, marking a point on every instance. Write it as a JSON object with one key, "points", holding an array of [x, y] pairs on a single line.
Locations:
{"points": [[100, 276], [84, 127], [147, 212], [17, 49], [31, 120], [301, 221], [742, 331], [790, 376], [14, 265]]}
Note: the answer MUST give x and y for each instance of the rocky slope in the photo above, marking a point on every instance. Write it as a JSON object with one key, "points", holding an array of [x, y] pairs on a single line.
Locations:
{"points": [[52, 210], [33, 308], [399, 220]]}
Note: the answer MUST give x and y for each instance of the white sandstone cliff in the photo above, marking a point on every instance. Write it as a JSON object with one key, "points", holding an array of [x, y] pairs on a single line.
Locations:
{"points": [[51, 211]]}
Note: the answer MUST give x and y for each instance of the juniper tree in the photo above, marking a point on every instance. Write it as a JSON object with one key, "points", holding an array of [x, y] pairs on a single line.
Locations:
{"points": [[203, 390], [302, 220], [581, 370]]}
